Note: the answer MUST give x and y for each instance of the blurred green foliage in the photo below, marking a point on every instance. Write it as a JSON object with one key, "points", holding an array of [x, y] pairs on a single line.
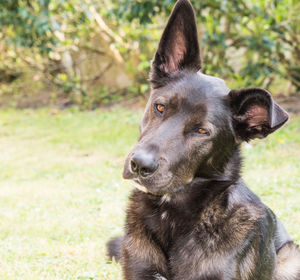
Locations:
{"points": [[26, 23], [248, 43], [266, 31]]}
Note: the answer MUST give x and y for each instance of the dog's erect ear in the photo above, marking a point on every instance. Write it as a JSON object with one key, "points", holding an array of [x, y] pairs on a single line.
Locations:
{"points": [[178, 48], [255, 113]]}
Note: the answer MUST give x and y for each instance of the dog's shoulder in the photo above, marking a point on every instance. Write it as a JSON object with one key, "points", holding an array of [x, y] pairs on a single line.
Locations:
{"points": [[248, 213], [243, 204], [233, 216], [237, 202], [240, 195]]}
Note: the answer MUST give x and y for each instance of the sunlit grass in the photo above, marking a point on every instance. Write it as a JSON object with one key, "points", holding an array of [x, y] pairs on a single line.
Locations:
{"points": [[62, 196]]}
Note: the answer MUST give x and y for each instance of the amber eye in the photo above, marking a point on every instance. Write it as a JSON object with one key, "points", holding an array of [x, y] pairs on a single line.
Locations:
{"points": [[160, 108], [202, 131]]}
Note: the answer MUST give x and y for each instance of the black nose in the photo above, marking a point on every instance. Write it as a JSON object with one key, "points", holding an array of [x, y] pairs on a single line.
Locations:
{"points": [[143, 164]]}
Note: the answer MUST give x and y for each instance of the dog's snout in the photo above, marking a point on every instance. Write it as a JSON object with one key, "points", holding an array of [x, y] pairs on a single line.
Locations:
{"points": [[143, 164]]}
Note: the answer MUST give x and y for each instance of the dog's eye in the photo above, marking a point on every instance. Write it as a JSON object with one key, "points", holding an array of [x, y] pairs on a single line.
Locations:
{"points": [[160, 108], [202, 131]]}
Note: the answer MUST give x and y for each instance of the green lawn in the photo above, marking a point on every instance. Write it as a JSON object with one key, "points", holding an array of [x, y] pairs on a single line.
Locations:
{"points": [[62, 196]]}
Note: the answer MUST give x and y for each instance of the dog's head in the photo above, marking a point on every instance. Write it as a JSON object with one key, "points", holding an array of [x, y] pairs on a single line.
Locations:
{"points": [[193, 123]]}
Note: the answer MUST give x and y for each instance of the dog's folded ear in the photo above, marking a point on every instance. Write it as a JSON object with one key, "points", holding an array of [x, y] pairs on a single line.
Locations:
{"points": [[179, 47], [255, 113]]}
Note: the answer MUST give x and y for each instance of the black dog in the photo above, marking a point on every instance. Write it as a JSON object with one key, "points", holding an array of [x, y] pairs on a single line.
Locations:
{"points": [[192, 216]]}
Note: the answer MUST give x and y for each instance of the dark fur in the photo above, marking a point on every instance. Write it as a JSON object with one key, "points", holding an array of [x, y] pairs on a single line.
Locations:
{"points": [[114, 247], [195, 218]]}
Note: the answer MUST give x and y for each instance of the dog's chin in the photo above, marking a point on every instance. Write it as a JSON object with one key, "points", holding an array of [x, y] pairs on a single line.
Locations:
{"points": [[157, 189], [161, 188]]}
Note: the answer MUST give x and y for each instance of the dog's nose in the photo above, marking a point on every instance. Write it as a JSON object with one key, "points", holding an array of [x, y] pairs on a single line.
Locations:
{"points": [[143, 164]]}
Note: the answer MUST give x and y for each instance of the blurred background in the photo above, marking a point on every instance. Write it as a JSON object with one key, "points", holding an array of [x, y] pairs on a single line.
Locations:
{"points": [[73, 84], [93, 52]]}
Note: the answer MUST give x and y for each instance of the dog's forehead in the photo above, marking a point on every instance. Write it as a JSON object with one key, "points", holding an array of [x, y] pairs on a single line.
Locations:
{"points": [[213, 85], [194, 88]]}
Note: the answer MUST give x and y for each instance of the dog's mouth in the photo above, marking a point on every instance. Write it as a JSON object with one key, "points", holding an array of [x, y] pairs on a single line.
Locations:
{"points": [[139, 186], [153, 186]]}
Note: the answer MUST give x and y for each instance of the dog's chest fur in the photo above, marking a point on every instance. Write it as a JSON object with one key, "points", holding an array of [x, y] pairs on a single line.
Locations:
{"points": [[200, 220]]}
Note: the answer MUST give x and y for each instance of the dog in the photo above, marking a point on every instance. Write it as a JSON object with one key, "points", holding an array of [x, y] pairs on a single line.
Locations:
{"points": [[192, 217]]}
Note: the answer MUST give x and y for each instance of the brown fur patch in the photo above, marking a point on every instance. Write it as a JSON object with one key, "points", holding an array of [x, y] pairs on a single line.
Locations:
{"points": [[288, 263]]}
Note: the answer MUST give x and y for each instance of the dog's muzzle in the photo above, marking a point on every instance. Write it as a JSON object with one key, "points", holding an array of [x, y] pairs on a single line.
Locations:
{"points": [[149, 173]]}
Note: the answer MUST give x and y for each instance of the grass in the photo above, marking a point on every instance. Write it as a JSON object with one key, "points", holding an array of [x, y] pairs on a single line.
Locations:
{"points": [[62, 196]]}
